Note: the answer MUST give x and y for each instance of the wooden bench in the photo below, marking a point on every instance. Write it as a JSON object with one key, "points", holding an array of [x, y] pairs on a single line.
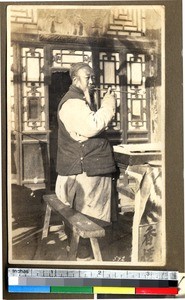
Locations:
{"points": [[80, 224]]}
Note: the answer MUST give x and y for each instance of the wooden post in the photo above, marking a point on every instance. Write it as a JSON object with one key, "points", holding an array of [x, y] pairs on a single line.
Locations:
{"points": [[96, 249], [46, 222], [74, 246]]}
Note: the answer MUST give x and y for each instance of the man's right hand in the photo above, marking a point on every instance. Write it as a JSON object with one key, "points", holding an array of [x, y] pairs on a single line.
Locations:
{"points": [[109, 99]]}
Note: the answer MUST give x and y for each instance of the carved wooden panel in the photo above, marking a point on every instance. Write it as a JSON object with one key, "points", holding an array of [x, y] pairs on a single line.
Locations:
{"points": [[63, 58], [84, 22], [127, 21]]}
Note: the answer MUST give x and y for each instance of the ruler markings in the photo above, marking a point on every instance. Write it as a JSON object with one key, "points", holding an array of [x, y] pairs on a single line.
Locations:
{"points": [[95, 281], [113, 274]]}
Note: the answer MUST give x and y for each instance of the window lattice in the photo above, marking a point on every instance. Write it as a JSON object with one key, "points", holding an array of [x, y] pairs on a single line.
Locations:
{"points": [[33, 94], [136, 92], [109, 66], [64, 58]]}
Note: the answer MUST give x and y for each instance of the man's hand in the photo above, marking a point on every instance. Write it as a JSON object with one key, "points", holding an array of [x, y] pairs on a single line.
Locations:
{"points": [[109, 99], [109, 91]]}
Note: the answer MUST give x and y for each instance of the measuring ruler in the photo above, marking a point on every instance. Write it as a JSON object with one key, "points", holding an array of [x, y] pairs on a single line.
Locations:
{"points": [[91, 281], [93, 273]]}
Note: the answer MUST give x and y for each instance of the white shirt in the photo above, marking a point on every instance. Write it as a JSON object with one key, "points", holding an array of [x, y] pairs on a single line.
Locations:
{"points": [[81, 122]]}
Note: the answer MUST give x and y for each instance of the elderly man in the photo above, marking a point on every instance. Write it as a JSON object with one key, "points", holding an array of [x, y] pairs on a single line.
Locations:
{"points": [[84, 158]]}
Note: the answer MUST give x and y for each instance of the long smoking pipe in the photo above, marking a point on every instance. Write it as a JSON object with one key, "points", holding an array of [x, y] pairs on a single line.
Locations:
{"points": [[123, 92]]}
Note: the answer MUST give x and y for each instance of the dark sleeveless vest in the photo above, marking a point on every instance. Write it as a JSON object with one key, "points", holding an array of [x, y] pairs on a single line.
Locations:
{"points": [[93, 156]]}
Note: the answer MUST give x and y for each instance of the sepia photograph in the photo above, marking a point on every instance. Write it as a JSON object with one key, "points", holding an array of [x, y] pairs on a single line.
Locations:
{"points": [[86, 135]]}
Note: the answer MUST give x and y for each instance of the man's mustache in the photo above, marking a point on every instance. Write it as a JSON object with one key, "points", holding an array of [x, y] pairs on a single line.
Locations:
{"points": [[92, 87]]}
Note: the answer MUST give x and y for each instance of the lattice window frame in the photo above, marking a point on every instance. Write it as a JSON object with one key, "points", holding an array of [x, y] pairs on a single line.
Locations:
{"points": [[33, 88], [136, 92], [63, 58], [111, 57]]}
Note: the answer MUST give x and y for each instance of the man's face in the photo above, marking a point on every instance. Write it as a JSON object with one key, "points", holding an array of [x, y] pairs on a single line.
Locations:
{"points": [[85, 79]]}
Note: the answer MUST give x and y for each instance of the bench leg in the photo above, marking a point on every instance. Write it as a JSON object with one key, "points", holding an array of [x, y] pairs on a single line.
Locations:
{"points": [[46, 222], [96, 249], [74, 246]]}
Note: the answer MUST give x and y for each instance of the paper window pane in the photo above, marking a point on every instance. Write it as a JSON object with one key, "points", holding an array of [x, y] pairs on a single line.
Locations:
{"points": [[33, 69], [109, 72], [136, 110], [72, 59], [136, 73], [33, 108]]}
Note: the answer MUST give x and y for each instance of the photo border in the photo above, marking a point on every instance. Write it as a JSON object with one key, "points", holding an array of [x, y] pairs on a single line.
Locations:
{"points": [[173, 139]]}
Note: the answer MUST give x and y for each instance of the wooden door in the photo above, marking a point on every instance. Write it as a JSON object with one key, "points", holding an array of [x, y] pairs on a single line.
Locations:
{"points": [[60, 82]]}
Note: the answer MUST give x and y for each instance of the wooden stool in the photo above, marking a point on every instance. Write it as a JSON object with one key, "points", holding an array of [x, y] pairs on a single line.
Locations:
{"points": [[80, 225]]}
